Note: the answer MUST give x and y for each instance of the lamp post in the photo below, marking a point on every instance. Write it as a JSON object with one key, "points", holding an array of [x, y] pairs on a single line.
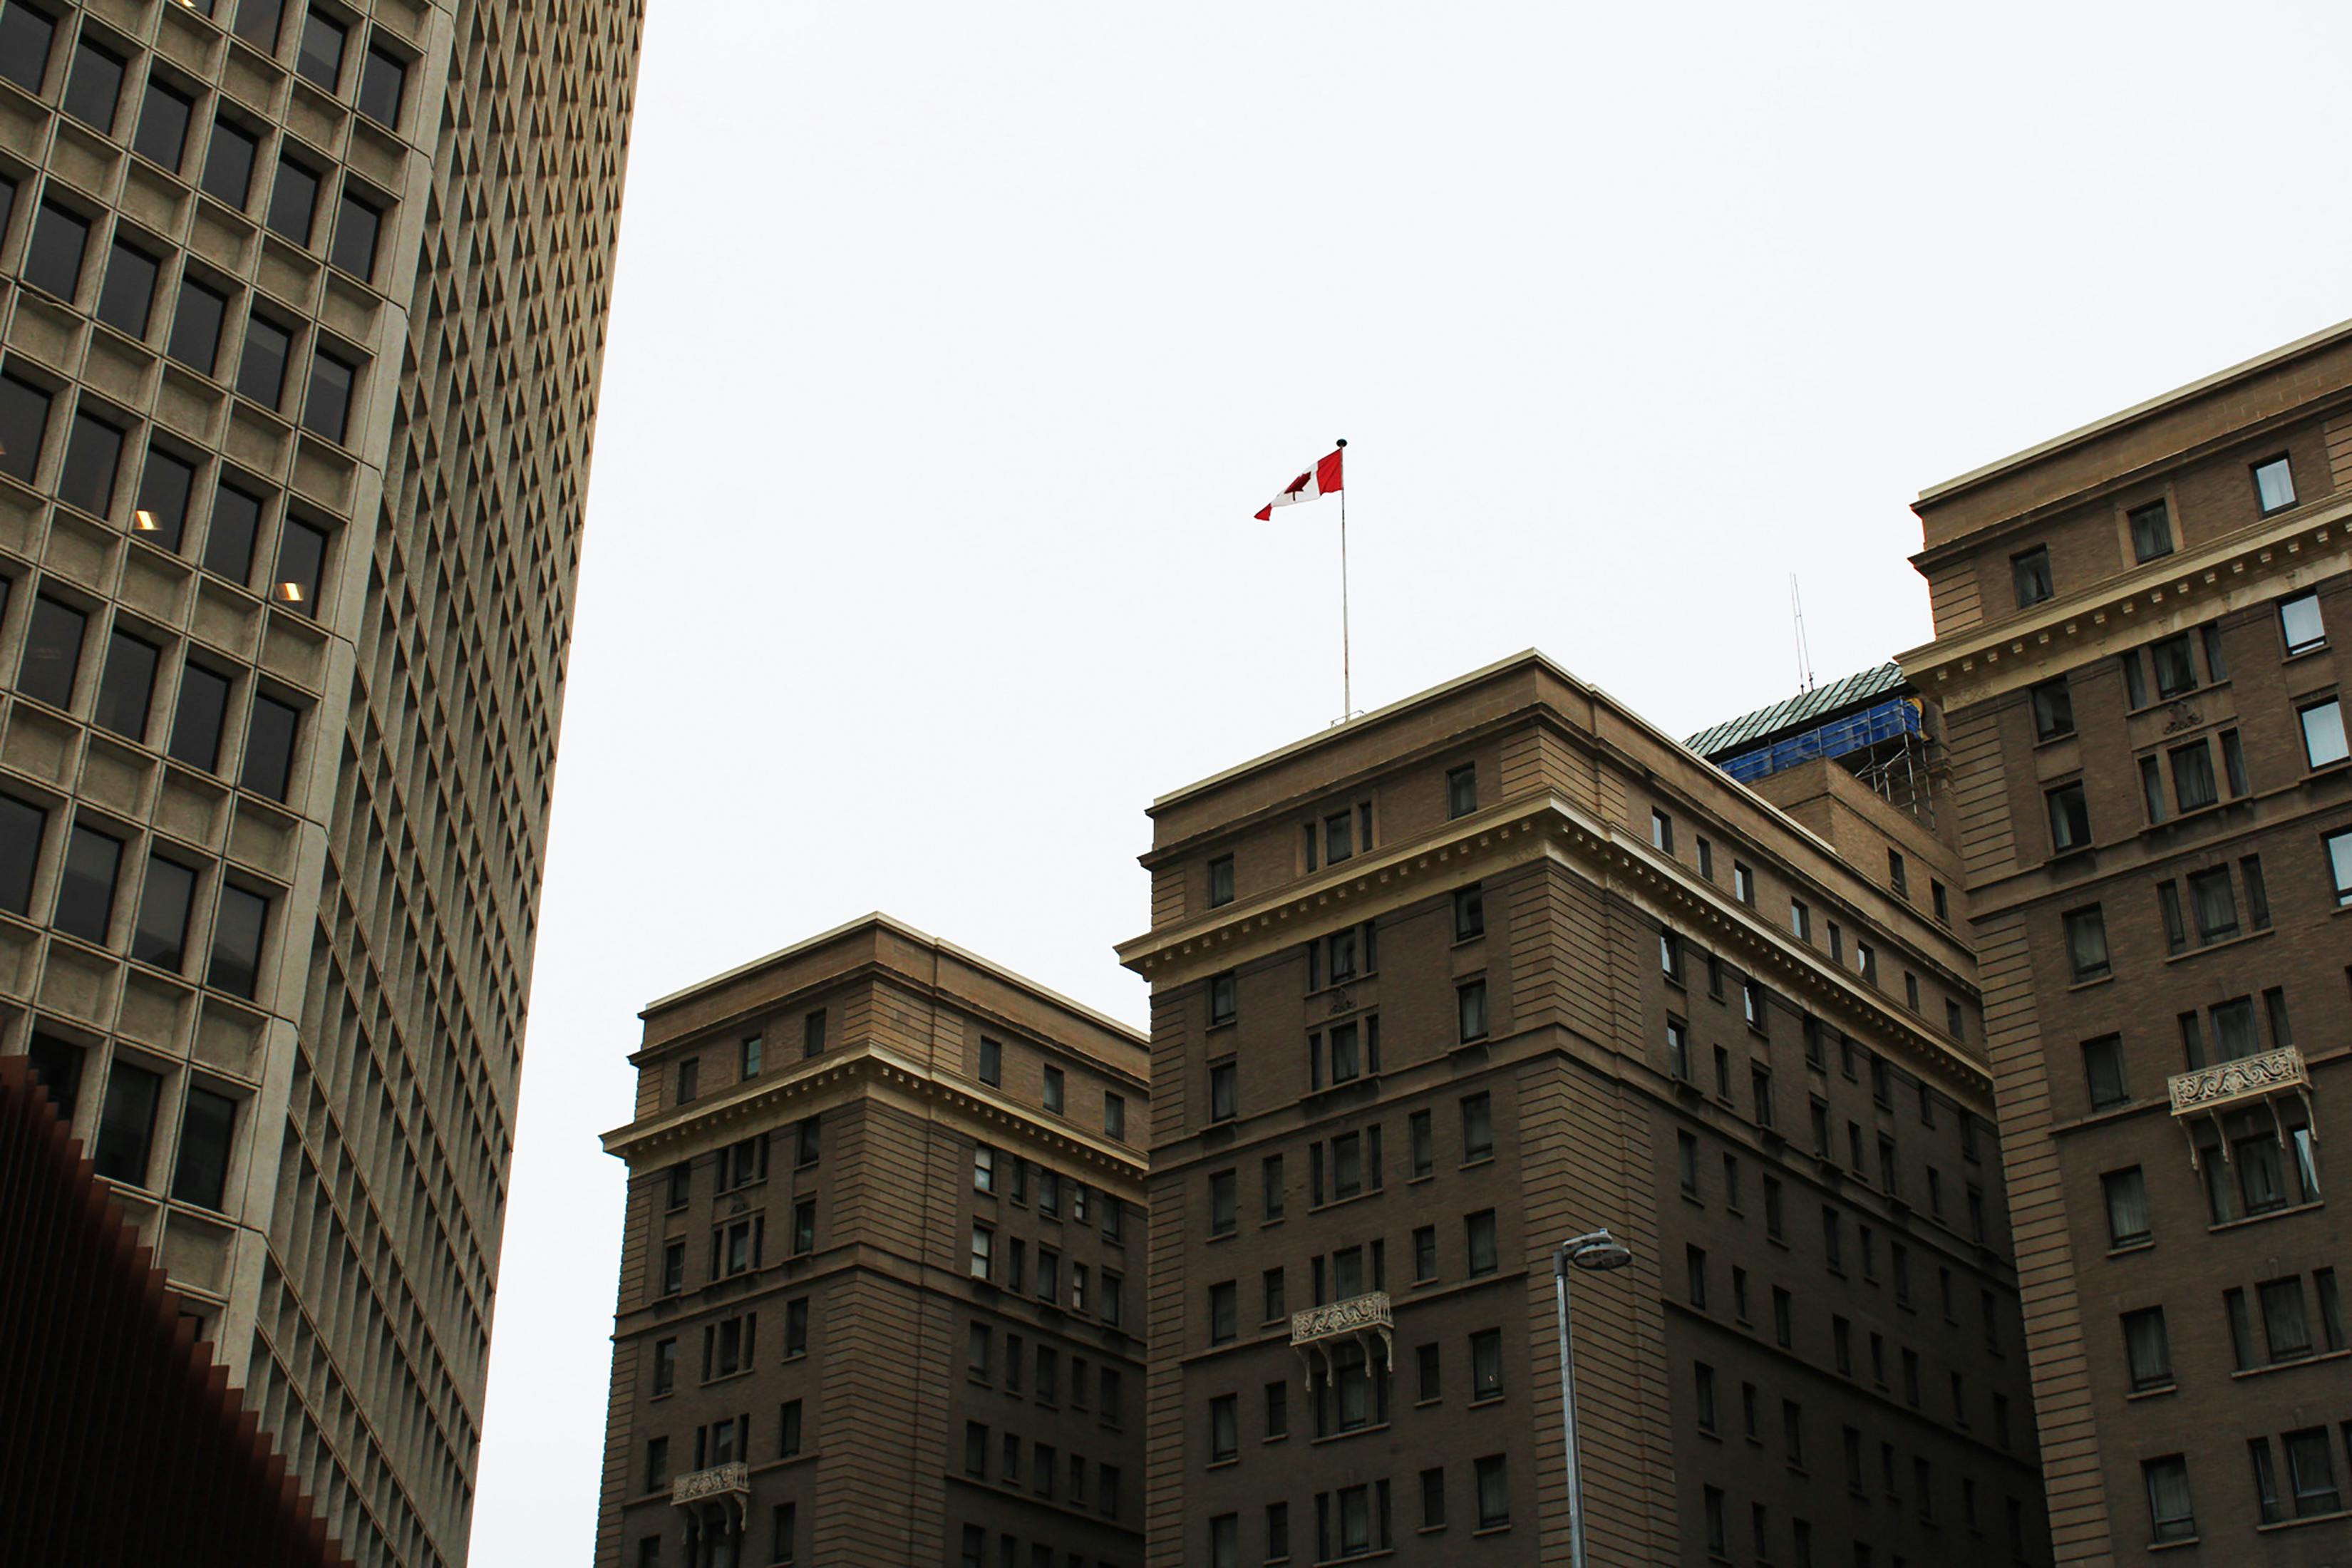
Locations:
{"points": [[1594, 1251]]}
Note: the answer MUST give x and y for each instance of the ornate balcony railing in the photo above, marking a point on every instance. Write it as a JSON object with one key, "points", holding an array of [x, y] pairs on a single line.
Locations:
{"points": [[1367, 1315], [720, 1485], [2244, 1081]]}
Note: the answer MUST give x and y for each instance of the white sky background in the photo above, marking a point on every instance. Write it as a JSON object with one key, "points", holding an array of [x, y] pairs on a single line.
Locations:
{"points": [[953, 347]]}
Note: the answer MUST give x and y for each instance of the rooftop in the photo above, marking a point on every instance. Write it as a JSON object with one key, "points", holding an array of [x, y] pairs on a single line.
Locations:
{"points": [[1801, 712]]}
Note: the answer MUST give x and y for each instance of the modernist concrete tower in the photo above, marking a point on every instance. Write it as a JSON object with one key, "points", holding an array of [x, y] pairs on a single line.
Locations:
{"points": [[301, 313], [2135, 650], [1439, 988], [881, 1282]]}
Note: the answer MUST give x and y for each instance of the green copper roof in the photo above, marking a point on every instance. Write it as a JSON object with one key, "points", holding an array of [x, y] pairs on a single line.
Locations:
{"points": [[1801, 712]]}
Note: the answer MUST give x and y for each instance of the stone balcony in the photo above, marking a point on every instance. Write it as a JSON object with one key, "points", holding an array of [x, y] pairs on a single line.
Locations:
{"points": [[725, 1487], [1366, 1317], [2225, 1086]]}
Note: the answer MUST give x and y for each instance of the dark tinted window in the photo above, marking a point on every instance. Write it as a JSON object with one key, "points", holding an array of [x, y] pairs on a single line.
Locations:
{"points": [[237, 931], [261, 373], [201, 1177], [126, 684], [301, 554], [126, 1123], [382, 82], [58, 1064], [52, 652], [164, 490], [256, 22], [95, 88], [228, 164], [292, 201], [228, 542], [321, 57], [327, 406], [197, 326], [24, 422], [269, 747], [356, 226], [86, 891], [21, 827], [163, 117], [53, 259], [196, 725], [160, 935], [130, 292], [25, 36], [93, 452]]}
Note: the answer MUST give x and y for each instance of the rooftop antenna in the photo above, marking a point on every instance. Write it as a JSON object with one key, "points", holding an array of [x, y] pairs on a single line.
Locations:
{"points": [[1804, 654]]}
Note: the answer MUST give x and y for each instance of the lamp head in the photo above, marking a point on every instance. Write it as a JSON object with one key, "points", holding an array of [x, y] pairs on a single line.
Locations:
{"points": [[1600, 1253]]}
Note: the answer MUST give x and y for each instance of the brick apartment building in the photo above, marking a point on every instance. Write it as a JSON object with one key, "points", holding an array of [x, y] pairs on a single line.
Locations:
{"points": [[1440, 988], [881, 1282], [2134, 658]]}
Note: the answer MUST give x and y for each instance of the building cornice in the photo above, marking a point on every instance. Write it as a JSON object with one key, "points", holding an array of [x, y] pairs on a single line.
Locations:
{"points": [[2255, 563], [1515, 833], [870, 1070]]}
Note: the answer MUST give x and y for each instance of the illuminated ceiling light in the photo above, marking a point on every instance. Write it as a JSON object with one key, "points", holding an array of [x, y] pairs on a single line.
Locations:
{"points": [[290, 591], [144, 520]]}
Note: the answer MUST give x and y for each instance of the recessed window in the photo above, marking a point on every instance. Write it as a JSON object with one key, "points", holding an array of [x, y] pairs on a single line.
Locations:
{"points": [[163, 116], [22, 828], [52, 658], [1470, 1001], [1480, 1247], [24, 423], [2030, 571], [293, 200], [94, 90], [208, 1128], [1743, 883], [992, 1061], [1115, 1116], [129, 297], [1462, 790], [2339, 865], [52, 260], [2053, 709], [93, 454], [269, 748], [196, 720], [2274, 484], [2176, 666], [2086, 943], [197, 326], [126, 1122], [2322, 733], [382, 81], [25, 38], [2151, 530], [257, 21], [239, 927], [1052, 1097], [2070, 819], [126, 684], [2301, 624], [1223, 998], [1469, 912], [85, 906], [228, 164], [302, 558], [358, 223], [2193, 784], [2103, 1071], [1221, 880], [326, 407], [261, 370], [2126, 1199], [1493, 1493], [321, 60], [1223, 1092], [1662, 832]]}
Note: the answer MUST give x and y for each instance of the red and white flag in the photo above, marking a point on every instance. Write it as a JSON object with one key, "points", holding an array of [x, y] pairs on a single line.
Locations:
{"points": [[1323, 480]]}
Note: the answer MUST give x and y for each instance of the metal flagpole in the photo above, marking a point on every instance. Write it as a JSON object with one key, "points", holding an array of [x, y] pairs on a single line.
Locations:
{"points": [[1346, 679]]}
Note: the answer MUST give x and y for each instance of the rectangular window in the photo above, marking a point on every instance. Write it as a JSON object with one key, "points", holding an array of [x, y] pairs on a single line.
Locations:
{"points": [[2102, 1069], [1221, 880], [165, 487], [2151, 532], [85, 905], [813, 1034], [1223, 1092], [261, 370], [130, 292], [1743, 884], [2322, 733], [1493, 1493], [163, 116], [1477, 1128], [1224, 1313], [2146, 1350], [2030, 575], [2301, 626], [1479, 1236], [2274, 484], [358, 223], [1469, 912], [2216, 905], [126, 1123], [2070, 819], [1470, 1006], [1662, 831], [2193, 786], [2086, 943], [2126, 1199], [228, 164], [293, 200], [2171, 1515], [383, 80], [327, 404], [2176, 666], [1462, 790], [160, 934]]}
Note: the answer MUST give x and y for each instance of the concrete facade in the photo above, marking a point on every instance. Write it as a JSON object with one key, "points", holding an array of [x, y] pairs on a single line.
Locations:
{"points": [[2135, 662], [1458, 979], [881, 1282], [302, 304]]}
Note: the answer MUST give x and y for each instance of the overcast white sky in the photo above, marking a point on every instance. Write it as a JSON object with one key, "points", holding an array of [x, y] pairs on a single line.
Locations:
{"points": [[953, 347]]}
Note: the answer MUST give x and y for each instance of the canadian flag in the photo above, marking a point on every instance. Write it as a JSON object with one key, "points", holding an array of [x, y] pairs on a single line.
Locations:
{"points": [[1323, 480]]}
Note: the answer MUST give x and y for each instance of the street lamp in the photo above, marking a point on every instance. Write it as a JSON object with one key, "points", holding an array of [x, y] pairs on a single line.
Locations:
{"points": [[1596, 1251]]}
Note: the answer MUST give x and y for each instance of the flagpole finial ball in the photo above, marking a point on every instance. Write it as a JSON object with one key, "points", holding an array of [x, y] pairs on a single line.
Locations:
{"points": [[1343, 440]]}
